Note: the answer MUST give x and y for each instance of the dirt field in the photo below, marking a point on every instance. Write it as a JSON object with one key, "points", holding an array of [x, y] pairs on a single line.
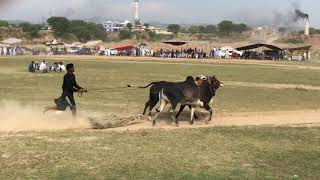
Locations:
{"points": [[263, 100]]}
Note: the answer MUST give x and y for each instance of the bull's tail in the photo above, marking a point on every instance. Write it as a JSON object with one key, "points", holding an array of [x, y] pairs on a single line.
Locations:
{"points": [[147, 85]]}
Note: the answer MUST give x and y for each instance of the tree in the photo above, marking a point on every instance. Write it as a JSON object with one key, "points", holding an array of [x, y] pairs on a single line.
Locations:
{"points": [[97, 31], [174, 28], [4, 23], [314, 31], [82, 33], [184, 30], [32, 29], [239, 28], [60, 25], [125, 34], [152, 34], [202, 29], [147, 25], [211, 29], [225, 27], [75, 23], [194, 29], [129, 26]]}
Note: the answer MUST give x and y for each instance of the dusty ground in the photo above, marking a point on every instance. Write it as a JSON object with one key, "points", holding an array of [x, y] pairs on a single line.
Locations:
{"points": [[303, 118]]}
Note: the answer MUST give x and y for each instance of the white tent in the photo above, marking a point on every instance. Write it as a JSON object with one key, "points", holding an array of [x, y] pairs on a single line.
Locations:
{"points": [[54, 42], [12, 41]]}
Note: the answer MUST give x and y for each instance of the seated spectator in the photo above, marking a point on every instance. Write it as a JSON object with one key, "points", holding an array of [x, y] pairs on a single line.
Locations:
{"points": [[36, 66], [31, 67], [43, 67], [62, 67], [54, 67]]}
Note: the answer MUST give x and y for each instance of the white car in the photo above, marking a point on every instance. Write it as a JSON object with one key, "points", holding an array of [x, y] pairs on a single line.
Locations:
{"points": [[113, 52], [110, 52], [73, 50]]}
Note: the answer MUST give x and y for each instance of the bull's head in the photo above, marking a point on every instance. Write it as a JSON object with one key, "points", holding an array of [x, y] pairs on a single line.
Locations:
{"points": [[215, 82]]}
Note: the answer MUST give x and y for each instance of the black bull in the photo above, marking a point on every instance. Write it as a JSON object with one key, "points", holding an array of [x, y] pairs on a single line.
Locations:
{"points": [[154, 97], [186, 93]]}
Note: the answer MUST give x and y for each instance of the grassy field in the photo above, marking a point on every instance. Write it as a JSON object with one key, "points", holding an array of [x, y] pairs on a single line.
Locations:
{"points": [[40, 89], [219, 153], [264, 152]]}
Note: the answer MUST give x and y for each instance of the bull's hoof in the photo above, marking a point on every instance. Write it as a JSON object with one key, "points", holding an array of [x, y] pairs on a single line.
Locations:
{"points": [[177, 124], [191, 122], [153, 123]]}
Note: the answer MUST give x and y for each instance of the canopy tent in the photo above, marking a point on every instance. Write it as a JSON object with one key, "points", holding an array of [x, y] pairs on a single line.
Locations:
{"points": [[255, 46], [175, 43], [12, 41], [92, 43], [124, 47], [303, 48], [300, 53]]}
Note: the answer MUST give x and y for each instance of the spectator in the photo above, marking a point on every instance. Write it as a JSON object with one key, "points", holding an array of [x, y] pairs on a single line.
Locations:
{"points": [[43, 67], [32, 67], [62, 67]]}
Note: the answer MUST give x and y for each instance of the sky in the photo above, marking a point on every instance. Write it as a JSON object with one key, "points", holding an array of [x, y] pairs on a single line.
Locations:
{"points": [[253, 12]]}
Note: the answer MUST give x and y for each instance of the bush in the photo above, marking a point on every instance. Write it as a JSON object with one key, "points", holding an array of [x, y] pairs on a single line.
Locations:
{"points": [[32, 29], [125, 34], [174, 28], [4, 23]]}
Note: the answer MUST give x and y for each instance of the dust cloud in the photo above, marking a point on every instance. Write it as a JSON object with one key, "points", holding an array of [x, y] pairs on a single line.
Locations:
{"points": [[17, 117]]}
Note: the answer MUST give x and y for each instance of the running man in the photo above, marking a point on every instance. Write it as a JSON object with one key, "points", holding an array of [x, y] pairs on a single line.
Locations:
{"points": [[69, 87]]}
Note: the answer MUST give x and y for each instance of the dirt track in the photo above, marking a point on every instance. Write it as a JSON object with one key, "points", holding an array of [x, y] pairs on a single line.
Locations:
{"points": [[273, 86], [306, 118]]}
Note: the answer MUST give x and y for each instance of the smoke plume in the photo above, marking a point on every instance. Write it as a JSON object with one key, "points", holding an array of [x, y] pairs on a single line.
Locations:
{"points": [[300, 15]]}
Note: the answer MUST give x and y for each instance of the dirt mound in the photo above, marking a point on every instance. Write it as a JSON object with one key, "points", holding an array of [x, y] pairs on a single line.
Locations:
{"points": [[114, 121]]}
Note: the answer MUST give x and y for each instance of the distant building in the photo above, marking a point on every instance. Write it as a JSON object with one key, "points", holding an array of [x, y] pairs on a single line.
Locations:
{"points": [[115, 26]]}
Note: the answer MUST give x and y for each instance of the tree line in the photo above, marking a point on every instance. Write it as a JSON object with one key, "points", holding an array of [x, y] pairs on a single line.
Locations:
{"points": [[224, 28], [84, 31], [62, 27]]}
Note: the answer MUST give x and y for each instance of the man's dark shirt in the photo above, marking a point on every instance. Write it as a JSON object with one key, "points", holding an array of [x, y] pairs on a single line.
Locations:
{"points": [[31, 68], [69, 85]]}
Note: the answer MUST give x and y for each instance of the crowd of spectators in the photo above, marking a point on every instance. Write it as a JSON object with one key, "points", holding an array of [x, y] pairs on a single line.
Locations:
{"points": [[44, 67], [10, 50]]}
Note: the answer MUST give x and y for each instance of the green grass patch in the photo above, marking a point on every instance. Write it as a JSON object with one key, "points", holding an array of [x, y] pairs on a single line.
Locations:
{"points": [[213, 153]]}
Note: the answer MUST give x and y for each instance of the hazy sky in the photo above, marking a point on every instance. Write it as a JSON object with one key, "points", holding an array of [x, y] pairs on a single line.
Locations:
{"points": [[255, 12]]}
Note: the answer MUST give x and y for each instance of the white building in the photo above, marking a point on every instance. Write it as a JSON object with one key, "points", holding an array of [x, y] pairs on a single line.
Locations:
{"points": [[115, 26]]}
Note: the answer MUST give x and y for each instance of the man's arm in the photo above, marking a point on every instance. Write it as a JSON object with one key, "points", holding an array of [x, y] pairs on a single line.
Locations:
{"points": [[77, 87]]}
